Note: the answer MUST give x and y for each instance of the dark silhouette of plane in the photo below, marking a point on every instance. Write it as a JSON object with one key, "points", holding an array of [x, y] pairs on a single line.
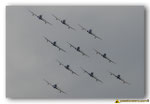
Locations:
{"points": [[118, 77], [55, 86], [78, 49], [91, 75], [104, 56], [90, 32], [63, 22], [54, 44], [67, 67], [40, 17]]}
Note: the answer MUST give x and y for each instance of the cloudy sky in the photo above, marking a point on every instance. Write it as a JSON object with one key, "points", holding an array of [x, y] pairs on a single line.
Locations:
{"points": [[30, 59]]}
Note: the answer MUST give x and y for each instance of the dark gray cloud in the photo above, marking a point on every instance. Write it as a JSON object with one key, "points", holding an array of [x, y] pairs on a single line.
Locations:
{"points": [[29, 58]]}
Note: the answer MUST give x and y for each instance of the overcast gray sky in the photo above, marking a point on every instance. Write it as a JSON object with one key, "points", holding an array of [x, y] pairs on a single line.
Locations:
{"points": [[30, 59]]}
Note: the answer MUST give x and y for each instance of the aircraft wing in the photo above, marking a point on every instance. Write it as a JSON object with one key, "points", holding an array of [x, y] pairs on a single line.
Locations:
{"points": [[47, 82], [97, 52], [60, 63], [73, 72], [112, 74], [83, 53], [124, 81], [61, 91], [82, 27], [72, 45], [96, 36], [85, 71], [97, 79], [110, 60], [33, 13], [60, 48], [56, 17], [46, 22], [69, 27], [47, 39]]}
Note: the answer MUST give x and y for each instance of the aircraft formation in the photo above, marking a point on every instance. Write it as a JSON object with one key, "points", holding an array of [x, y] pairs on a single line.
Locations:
{"points": [[68, 67]]}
